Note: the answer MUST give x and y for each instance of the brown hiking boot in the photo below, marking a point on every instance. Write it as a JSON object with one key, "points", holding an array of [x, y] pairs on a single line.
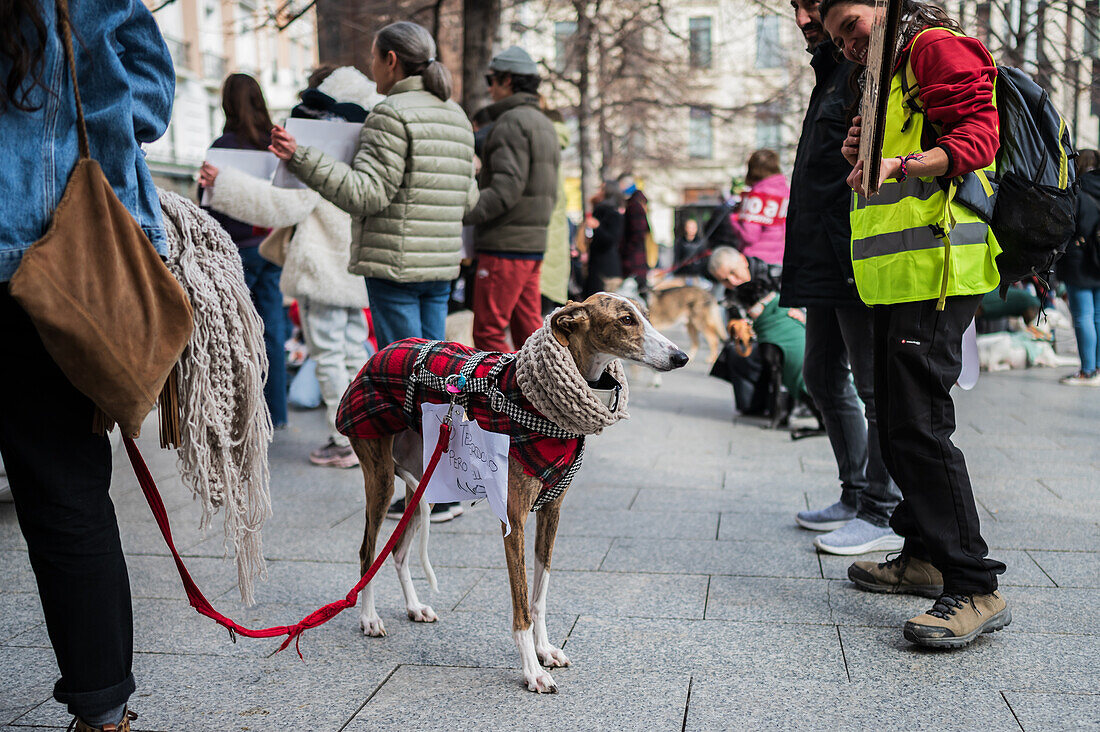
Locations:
{"points": [[956, 620], [77, 725], [899, 573]]}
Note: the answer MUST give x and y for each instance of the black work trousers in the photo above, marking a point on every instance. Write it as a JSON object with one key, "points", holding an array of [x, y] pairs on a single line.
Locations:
{"points": [[60, 474], [918, 357]]}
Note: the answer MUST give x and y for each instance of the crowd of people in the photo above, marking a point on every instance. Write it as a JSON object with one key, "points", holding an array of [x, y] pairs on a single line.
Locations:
{"points": [[867, 312]]}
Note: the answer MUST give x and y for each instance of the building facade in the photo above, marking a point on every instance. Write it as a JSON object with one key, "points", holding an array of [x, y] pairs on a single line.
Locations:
{"points": [[210, 39]]}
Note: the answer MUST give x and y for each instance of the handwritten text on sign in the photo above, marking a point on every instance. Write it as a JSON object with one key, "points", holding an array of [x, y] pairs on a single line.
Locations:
{"points": [[475, 464]]}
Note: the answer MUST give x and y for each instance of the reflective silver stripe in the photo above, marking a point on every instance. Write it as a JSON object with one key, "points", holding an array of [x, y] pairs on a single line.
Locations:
{"points": [[894, 191], [920, 237]]}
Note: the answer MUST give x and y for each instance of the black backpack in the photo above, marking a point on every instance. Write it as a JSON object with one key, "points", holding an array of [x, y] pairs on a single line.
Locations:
{"points": [[1031, 200]]}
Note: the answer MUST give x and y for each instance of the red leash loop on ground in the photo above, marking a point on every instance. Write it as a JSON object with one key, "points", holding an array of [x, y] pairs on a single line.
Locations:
{"points": [[319, 616]]}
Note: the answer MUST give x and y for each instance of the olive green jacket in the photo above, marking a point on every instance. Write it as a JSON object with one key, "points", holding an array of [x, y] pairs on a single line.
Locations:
{"points": [[407, 189], [519, 178]]}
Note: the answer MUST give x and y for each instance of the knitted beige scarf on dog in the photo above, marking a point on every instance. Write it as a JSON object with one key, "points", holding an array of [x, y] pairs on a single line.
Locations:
{"points": [[225, 426], [549, 378]]}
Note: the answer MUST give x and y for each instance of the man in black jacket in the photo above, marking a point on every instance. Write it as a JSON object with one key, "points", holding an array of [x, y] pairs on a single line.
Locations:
{"points": [[817, 275]]}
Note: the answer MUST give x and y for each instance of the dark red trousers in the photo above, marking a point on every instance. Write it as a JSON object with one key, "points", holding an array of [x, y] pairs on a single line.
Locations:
{"points": [[506, 295]]}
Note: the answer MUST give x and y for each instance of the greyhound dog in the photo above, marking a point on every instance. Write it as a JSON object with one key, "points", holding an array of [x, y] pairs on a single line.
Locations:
{"points": [[595, 332]]}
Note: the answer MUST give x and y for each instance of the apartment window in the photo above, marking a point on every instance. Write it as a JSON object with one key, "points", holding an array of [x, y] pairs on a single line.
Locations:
{"points": [[700, 133], [699, 43], [769, 52], [1092, 28], [769, 127], [564, 61]]}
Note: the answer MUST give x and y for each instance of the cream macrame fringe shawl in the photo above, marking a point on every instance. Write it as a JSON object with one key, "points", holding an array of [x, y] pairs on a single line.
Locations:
{"points": [[549, 378], [225, 425]]}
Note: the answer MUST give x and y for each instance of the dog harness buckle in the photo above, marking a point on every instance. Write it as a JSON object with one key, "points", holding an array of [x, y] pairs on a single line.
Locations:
{"points": [[496, 399], [454, 384]]}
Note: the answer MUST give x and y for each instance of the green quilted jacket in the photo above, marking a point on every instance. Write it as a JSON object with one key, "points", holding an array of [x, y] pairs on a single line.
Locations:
{"points": [[407, 189]]}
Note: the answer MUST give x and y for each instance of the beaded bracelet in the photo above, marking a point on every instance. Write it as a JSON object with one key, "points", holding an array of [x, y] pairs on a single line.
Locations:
{"points": [[905, 164]]}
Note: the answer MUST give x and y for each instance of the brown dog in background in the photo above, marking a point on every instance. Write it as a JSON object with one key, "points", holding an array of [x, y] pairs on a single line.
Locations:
{"points": [[695, 308]]}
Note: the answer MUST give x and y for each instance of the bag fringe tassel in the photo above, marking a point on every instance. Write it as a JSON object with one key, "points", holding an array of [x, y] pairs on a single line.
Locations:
{"points": [[168, 408]]}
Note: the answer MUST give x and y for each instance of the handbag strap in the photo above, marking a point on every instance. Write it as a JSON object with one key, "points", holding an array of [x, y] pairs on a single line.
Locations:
{"points": [[64, 25]]}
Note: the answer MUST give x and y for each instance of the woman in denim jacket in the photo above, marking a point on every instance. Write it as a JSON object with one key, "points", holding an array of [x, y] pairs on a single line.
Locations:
{"points": [[58, 470]]}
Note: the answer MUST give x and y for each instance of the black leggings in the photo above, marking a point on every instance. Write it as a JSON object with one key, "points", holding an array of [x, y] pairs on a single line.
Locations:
{"points": [[60, 474]]}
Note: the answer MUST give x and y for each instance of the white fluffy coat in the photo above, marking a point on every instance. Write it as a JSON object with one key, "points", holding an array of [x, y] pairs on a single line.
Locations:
{"points": [[317, 258]]}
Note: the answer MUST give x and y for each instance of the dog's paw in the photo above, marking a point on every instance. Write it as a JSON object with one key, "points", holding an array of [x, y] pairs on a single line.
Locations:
{"points": [[552, 657], [540, 682], [372, 626], [421, 614]]}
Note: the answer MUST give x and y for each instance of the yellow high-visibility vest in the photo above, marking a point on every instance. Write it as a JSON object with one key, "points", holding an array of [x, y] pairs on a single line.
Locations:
{"points": [[911, 242]]}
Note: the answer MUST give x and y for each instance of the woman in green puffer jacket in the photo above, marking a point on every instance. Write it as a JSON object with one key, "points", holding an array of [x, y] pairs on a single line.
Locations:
{"points": [[407, 189]]}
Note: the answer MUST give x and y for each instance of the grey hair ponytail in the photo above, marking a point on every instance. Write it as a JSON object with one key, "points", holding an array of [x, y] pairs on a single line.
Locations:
{"points": [[415, 50]]}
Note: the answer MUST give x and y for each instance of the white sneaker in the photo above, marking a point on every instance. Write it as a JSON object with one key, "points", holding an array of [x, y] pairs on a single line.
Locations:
{"points": [[859, 537], [1081, 379]]}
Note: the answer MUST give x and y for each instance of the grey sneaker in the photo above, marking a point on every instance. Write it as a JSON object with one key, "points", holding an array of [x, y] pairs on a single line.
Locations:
{"points": [[827, 519], [331, 455], [859, 537]]}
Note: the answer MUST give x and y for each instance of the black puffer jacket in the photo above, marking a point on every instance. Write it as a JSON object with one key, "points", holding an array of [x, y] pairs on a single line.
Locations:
{"points": [[518, 180], [1077, 266], [817, 260]]}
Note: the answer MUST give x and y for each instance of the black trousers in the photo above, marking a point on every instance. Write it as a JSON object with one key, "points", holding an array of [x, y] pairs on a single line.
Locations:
{"points": [[918, 357], [59, 474]]}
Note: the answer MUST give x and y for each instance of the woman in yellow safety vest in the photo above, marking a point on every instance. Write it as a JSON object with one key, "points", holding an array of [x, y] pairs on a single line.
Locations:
{"points": [[924, 263]]}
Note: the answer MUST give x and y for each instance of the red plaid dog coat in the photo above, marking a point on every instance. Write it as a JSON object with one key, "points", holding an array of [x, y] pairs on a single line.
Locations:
{"points": [[386, 395]]}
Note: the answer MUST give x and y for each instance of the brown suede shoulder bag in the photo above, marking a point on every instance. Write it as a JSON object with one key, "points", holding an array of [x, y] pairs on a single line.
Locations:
{"points": [[106, 307]]}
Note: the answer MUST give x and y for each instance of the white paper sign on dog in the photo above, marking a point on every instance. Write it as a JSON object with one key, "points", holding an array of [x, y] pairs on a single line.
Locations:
{"points": [[475, 464]]}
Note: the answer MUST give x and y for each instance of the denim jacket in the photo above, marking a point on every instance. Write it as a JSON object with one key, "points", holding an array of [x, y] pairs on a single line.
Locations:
{"points": [[127, 85]]}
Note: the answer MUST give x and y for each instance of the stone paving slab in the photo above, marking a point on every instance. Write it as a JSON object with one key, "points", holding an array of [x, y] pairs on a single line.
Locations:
{"points": [[809, 653], [432, 698], [1009, 659], [1070, 569], [607, 594], [711, 557], [1055, 712], [718, 700]]}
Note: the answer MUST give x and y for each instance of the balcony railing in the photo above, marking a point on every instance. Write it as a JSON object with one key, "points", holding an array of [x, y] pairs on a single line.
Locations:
{"points": [[213, 66], [180, 52]]}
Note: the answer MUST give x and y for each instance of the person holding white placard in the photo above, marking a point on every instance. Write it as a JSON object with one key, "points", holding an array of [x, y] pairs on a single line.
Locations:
{"points": [[247, 127], [330, 299]]}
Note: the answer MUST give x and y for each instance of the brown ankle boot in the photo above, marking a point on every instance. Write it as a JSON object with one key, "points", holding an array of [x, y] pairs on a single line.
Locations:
{"points": [[956, 620], [899, 573], [77, 725]]}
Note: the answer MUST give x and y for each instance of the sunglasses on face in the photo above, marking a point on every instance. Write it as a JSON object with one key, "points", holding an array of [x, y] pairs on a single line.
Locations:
{"points": [[490, 79]]}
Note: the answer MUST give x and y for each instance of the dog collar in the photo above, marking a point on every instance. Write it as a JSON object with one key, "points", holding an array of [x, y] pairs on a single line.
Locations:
{"points": [[607, 390]]}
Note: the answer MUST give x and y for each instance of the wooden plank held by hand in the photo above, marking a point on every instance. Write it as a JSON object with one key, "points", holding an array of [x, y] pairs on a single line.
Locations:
{"points": [[881, 50]]}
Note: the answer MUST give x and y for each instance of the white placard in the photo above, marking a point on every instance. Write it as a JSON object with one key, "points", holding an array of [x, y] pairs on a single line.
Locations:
{"points": [[475, 464], [971, 363], [334, 138], [257, 163]]}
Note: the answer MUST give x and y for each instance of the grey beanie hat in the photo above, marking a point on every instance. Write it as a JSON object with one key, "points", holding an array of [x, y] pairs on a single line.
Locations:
{"points": [[514, 60]]}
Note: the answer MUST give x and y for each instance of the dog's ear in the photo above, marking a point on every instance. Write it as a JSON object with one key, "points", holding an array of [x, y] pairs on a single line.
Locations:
{"points": [[570, 318]]}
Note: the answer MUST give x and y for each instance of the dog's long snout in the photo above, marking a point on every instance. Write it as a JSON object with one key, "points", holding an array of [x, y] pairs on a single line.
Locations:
{"points": [[678, 359]]}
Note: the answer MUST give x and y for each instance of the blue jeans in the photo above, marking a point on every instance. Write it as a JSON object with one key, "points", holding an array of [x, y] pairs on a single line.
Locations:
{"points": [[408, 309], [262, 278], [839, 351], [1084, 303]]}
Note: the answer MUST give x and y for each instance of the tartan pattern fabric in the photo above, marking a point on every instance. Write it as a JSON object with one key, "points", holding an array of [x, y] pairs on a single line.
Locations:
{"points": [[374, 404]]}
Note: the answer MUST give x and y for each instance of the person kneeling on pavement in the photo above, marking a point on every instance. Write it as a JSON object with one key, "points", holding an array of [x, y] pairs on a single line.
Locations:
{"points": [[753, 294]]}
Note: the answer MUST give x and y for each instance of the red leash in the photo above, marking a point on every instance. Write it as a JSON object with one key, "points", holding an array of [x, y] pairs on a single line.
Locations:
{"points": [[317, 617]]}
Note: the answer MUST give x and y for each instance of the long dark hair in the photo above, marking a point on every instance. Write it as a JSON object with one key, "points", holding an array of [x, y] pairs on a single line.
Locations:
{"points": [[25, 53], [245, 110], [915, 16], [415, 50]]}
